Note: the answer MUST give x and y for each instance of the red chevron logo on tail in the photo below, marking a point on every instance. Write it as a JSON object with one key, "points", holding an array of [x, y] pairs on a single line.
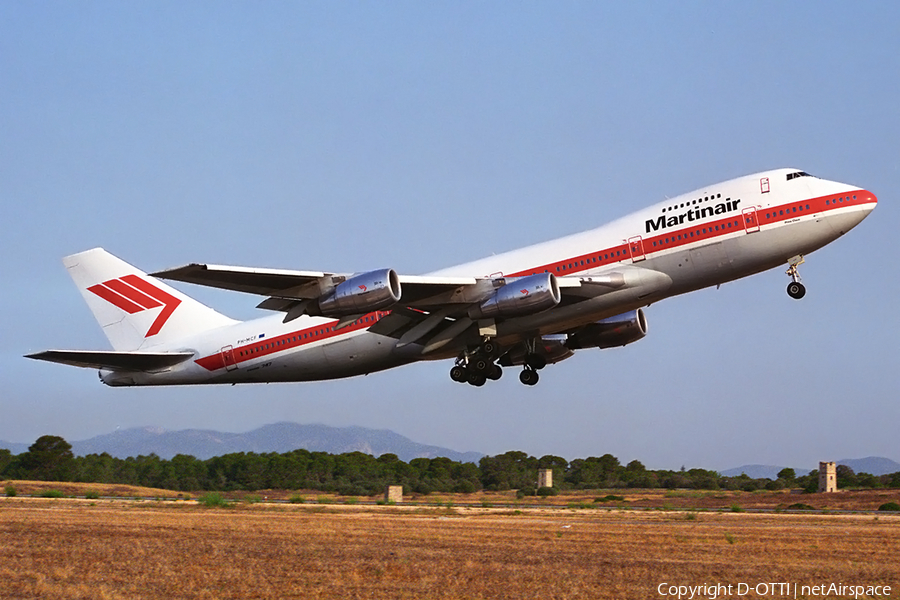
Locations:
{"points": [[133, 295]]}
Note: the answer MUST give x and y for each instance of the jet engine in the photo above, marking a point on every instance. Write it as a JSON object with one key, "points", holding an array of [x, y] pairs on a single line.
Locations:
{"points": [[619, 330], [520, 296], [362, 293]]}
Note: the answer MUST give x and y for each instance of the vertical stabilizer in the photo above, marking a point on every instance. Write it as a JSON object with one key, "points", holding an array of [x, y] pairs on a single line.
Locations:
{"points": [[135, 310]]}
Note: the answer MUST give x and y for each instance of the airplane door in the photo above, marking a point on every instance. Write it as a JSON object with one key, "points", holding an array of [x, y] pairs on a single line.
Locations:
{"points": [[636, 248], [228, 358], [751, 223]]}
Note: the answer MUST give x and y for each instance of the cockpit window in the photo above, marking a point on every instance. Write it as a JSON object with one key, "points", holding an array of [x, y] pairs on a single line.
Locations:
{"points": [[798, 174]]}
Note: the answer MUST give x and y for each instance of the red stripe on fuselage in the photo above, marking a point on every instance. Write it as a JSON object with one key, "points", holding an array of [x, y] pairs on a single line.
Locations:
{"points": [[616, 254], [682, 236], [286, 341]]}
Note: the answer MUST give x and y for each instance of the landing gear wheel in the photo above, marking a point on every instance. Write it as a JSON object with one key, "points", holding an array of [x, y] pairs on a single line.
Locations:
{"points": [[476, 379], [481, 365], [459, 374], [796, 290], [535, 361], [529, 377], [489, 347], [496, 373]]}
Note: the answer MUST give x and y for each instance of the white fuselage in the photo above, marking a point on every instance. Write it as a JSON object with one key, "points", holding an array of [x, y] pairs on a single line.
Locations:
{"points": [[706, 237]]}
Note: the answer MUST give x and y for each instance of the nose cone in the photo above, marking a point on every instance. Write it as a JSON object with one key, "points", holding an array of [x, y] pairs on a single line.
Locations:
{"points": [[869, 199], [864, 202]]}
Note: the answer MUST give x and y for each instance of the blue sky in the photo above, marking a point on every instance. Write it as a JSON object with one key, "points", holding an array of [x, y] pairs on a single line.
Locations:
{"points": [[354, 136]]}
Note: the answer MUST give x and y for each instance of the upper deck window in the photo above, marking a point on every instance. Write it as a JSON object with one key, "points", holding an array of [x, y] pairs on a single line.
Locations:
{"points": [[797, 174]]}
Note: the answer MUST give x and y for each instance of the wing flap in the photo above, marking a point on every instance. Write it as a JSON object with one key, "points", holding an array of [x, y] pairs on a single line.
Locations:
{"points": [[117, 361]]}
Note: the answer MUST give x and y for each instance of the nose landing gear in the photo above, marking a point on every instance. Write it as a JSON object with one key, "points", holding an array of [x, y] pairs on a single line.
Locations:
{"points": [[795, 289]]}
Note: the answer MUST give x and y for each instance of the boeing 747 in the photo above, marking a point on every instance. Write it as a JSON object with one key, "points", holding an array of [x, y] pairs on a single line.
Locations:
{"points": [[527, 308]]}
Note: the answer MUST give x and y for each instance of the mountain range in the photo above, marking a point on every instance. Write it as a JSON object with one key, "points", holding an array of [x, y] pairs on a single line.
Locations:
{"points": [[284, 437], [278, 437]]}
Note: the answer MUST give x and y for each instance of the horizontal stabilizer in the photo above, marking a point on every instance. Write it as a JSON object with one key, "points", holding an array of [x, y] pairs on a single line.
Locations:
{"points": [[116, 361]]}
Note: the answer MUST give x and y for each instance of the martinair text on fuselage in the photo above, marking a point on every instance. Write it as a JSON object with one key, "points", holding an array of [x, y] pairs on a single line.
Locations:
{"points": [[693, 214]]}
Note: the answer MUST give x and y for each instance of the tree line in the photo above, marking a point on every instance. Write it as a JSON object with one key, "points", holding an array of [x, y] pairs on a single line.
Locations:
{"points": [[50, 458]]}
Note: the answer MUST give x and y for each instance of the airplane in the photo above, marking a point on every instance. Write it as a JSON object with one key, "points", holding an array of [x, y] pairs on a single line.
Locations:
{"points": [[526, 308]]}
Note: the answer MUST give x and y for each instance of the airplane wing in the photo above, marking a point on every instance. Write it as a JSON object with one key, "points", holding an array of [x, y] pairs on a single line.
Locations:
{"points": [[265, 282], [285, 283], [286, 289], [430, 307], [288, 285], [128, 361]]}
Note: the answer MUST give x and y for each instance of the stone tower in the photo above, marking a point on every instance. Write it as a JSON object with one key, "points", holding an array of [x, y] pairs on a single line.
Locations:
{"points": [[827, 477], [545, 478]]}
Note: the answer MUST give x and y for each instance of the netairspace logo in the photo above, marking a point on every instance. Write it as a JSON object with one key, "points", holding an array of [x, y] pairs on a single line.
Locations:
{"points": [[780, 589]]}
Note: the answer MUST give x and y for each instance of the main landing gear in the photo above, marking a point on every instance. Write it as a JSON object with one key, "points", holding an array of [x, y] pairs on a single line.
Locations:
{"points": [[534, 362], [795, 289], [476, 367]]}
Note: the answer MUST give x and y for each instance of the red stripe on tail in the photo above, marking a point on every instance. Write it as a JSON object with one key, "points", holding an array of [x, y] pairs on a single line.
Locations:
{"points": [[115, 299], [169, 301]]}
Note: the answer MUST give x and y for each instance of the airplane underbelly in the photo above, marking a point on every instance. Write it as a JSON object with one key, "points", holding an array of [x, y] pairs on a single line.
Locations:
{"points": [[359, 355]]}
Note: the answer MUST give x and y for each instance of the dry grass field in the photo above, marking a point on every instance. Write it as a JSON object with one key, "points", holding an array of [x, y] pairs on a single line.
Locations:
{"points": [[67, 548]]}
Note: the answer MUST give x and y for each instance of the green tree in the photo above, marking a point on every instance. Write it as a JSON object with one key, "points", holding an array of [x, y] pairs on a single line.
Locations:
{"points": [[787, 475], [6, 459], [846, 478], [593, 472], [49, 458], [867, 480], [96, 468], [189, 473], [511, 470]]}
